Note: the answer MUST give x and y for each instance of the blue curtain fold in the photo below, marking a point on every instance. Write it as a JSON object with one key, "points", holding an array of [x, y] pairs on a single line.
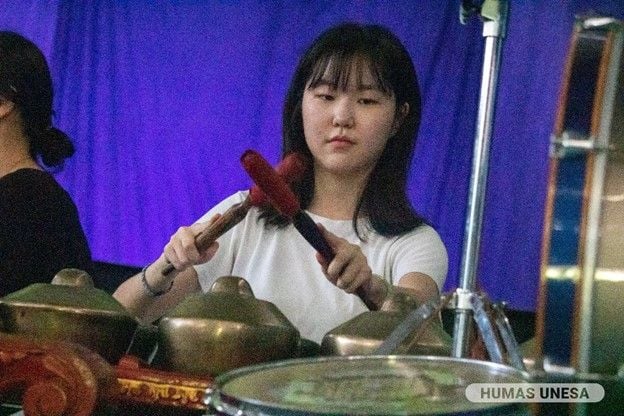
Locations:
{"points": [[162, 97]]}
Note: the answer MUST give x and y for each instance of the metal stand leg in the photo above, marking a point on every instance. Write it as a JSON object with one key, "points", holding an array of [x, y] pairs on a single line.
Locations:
{"points": [[493, 326], [498, 338], [494, 16]]}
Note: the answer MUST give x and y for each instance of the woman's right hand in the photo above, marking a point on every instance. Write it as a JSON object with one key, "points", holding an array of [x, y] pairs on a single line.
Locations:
{"points": [[181, 250]]}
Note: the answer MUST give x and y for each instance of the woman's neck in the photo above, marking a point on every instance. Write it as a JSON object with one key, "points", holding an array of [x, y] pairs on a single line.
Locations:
{"points": [[336, 197], [14, 154]]}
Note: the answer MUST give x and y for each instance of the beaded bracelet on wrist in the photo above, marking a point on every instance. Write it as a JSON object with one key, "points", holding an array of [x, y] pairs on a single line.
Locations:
{"points": [[153, 293]]}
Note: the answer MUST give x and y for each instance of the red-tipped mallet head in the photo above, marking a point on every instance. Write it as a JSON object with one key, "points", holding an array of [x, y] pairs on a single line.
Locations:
{"points": [[291, 169], [273, 186]]}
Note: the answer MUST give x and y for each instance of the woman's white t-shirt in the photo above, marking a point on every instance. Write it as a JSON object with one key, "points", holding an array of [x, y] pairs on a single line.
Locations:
{"points": [[281, 267]]}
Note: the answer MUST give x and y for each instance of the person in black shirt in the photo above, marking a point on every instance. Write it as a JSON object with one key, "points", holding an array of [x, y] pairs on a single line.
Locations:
{"points": [[40, 231]]}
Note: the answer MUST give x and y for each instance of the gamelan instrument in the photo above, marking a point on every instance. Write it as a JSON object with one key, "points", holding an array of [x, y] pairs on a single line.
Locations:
{"points": [[362, 385], [227, 353], [580, 312]]}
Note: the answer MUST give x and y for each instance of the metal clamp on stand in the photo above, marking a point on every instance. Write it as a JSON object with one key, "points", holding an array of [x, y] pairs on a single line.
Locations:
{"points": [[570, 143]]}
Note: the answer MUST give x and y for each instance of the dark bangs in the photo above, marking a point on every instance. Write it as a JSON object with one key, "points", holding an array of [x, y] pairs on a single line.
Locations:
{"points": [[336, 70]]}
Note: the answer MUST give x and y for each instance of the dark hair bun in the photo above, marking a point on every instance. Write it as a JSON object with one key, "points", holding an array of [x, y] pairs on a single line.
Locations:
{"points": [[53, 146]]}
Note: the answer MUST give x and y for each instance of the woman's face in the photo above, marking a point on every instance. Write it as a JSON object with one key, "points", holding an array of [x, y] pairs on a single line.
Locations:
{"points": [[347, 130]]}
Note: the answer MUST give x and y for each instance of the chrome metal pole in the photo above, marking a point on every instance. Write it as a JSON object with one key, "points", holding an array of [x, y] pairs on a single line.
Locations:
{"points": [[494, 15]]}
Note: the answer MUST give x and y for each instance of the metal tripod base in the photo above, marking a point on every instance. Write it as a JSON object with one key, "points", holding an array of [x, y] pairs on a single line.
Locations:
{"points": [[491, 322]]}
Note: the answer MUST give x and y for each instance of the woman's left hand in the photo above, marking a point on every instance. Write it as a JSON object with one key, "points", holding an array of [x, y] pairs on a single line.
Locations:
{"points": [[349, 269]]}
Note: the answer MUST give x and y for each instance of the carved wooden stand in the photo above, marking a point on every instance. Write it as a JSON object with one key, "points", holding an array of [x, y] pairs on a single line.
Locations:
{"points": [[59, 378], [54, 378], [140, 384]]}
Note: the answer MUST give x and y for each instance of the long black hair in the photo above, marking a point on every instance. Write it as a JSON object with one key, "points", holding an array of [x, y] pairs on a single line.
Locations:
{"points": [[25, 80], [384, 201]]}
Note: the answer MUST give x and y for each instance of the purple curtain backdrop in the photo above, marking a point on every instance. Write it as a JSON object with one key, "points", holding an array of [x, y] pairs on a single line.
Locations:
{"points": [[162, 97]]}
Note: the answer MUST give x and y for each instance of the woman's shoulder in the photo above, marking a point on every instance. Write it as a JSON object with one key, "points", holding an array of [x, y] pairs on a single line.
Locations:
{"points": [[34, 191], [423, 239], [422, 231], [28, 180], [29, 183], [423, 234]]}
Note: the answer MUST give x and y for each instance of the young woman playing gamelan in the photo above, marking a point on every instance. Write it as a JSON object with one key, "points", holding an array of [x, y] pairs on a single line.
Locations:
{"points": [[353, 107]]}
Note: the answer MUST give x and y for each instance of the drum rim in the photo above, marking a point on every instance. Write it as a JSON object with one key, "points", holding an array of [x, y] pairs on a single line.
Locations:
{"points": [[239, 402], [232, 374]]}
